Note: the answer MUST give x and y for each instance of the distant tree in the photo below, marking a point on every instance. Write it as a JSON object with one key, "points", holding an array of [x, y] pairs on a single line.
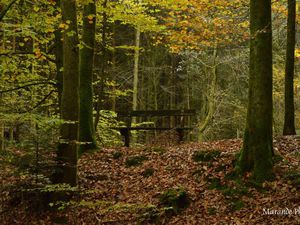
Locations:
{"points": [[136, 69], [58, 52], [86, 127], [256, 155], [67, 151], [289, 115]]}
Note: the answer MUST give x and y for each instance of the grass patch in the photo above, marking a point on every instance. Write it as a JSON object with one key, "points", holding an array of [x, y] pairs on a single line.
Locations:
{"points": [[277, 158], [215, 183], [205, 156], [220, 168], [135, 160], [175, 199], [294, 177], [236, 204], [150, 215], [148, 172], [233, 175], [212, 211], [117, 155]]}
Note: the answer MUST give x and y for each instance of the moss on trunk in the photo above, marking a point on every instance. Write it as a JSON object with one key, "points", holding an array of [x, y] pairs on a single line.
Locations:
{"points": [[256, 155], [86, 130], [67, 151]]}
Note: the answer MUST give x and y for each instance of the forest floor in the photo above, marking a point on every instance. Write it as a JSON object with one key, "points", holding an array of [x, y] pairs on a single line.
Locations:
{"points": [[185, 184]]}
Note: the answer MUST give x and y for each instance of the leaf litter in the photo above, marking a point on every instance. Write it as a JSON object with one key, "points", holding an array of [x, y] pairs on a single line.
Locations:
{"points": [[112, 192]]}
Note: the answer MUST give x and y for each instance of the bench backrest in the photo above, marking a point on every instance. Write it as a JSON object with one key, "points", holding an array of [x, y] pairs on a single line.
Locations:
{"points": [[157, 113], [180, 117]]}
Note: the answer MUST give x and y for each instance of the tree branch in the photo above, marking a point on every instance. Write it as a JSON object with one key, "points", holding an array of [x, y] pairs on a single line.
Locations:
{"points": [[28, 85], [5, 10], [43, 100]]}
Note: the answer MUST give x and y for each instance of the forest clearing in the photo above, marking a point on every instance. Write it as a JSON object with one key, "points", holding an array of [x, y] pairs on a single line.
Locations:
{"points": [[149, 112]]}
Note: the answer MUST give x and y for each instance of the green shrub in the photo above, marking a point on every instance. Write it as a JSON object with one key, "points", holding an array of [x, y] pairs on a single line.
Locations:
{"points": [[236, 204], [117, 155], [148, 172], [135, 160], [204, 156], [176, 199], [277, 158], [212, 211]]}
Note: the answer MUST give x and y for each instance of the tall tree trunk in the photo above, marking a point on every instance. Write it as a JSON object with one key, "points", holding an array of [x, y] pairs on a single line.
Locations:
{"points": [[86, 125], [289, 115], [2, 138], [256, 155], [136, 69], [113, 66], [100, 87], [136, 75], [67, 151], [59, 61], [210, 97]]}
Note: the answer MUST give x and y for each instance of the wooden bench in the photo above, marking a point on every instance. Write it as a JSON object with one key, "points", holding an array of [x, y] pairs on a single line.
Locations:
{"points": [[179, 120]]}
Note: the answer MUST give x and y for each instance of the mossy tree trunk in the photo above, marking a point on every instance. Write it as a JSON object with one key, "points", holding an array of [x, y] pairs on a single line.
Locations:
{"points": [[136, 70], [210, 97], [256, 155], [289, 115], [68, 147], [86, 127]]}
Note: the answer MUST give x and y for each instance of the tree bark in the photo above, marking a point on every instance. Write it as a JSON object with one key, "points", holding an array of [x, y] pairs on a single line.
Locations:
{"points": [[67, 151], [86, 125], [59, 61], [211, 97], [256, 155], [100, 87], [136, 69], [289, 115], [136, 75], [2, 138]]}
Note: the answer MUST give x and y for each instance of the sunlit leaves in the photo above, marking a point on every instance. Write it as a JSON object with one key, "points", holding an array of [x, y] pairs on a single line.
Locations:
{"points": [[196, 24], [133, 13]]}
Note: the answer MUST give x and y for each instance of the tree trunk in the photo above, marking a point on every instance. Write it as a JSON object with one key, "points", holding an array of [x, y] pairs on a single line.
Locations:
{"points": [[256, 155], [86, 125], [99, 90], [67, 151], [2, 138], [59, 61], [136, 76], [289, 115], [210, 97], [136, 70]]}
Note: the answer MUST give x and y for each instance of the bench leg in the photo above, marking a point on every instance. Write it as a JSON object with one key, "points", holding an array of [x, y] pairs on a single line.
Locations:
{"points": [[127, 139], [126, 134], [180, 133]]}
